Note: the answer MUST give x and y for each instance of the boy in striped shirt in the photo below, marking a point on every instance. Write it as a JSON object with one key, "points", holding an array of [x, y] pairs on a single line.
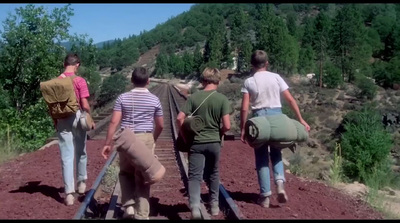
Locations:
{"points": [[138, 110]]}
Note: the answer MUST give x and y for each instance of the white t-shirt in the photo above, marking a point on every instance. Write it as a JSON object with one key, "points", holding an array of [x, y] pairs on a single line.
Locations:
{"points": [[265, 89]]}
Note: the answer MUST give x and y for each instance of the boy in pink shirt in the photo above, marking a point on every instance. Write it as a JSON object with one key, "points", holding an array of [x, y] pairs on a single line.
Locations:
{"points": [[71, 135]]}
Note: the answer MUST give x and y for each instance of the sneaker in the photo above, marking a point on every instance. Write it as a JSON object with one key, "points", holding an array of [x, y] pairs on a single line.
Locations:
{"points": [[129, 212], [81, 187], [282, 197], [214, 209], [263, 201], [196, 213], [69, 200]]}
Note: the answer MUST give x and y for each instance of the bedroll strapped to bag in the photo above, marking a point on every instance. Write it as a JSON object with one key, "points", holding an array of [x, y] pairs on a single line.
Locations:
{"points": [[191, 126], [275, 130], [139, 155], [60, 97]]}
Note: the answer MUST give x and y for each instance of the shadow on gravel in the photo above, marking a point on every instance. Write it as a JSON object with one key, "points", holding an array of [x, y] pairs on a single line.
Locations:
{"points": [[250, 198], [35, 187], [245, 197], [169, 211]]}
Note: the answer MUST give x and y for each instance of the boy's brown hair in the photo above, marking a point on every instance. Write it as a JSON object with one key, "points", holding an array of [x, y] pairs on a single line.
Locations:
{"points": [[259, 59]]}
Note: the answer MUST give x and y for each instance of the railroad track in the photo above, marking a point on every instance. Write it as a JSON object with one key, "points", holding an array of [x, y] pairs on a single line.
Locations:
{"points": [[169, 196]]}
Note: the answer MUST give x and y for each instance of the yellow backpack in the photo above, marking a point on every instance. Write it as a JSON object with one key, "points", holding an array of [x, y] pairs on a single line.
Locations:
{"points": [[60, 97]]}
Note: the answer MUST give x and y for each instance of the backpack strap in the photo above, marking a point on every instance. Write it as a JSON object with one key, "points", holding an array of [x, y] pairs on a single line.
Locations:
{"points": [[202, 103], [72, 81]]}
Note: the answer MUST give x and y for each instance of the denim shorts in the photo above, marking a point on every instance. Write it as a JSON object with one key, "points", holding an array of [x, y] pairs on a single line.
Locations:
{"points": [[267, 111]]}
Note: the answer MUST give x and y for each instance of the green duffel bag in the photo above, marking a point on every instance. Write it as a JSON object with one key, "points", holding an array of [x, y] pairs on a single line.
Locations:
{"points": [[193, 124], [276, 130], [190, 127]]}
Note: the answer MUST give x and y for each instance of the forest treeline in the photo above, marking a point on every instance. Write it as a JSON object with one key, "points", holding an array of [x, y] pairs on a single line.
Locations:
{"points": [[344, 42]]}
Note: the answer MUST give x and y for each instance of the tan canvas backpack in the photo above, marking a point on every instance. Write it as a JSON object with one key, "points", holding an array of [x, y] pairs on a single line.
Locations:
{"points": [[60, 97]]}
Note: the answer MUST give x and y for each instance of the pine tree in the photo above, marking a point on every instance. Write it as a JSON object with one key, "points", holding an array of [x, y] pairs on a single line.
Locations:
{"points": [[197, 59], [348, 38], [161, 67], [226, 53], [306, 59], [244, 56], [188, 61], [309, 31], [321, 41], [265, 19], [291, 24], [238, 27]]}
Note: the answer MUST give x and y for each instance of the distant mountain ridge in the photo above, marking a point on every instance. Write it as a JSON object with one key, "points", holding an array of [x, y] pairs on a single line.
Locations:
{"points": [[99, 45]]}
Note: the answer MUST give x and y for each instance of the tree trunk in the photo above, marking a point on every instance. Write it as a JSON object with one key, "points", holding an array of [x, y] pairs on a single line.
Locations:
{"points": [[320, 73], [320, 66], [342, 64]]}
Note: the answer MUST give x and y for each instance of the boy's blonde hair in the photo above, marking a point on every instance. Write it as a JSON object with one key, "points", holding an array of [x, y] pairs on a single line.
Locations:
{"points": [[211, 75]]}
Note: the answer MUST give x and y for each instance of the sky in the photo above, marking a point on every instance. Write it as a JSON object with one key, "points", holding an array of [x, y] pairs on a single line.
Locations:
{"points": [[104, 22]]}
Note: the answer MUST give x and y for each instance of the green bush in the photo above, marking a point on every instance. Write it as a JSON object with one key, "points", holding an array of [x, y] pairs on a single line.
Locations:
{"points": [[4, 99], [332, 77], [111, 88], [387, 73], [381, 175], [365, 143], [92, 78], [296, 164], [308, 117], [230, 90], [381, 73], [29, 128], [366, 88]]}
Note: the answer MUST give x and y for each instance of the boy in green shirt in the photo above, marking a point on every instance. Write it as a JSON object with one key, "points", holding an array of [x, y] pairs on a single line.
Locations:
{"points": [[214, 108]]}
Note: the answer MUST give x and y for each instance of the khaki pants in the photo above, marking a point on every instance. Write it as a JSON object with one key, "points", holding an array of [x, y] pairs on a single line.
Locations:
{"points": [[133, 191]]}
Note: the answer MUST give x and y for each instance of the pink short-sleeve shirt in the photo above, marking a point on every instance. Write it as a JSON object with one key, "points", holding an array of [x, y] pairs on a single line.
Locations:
{"points": [[80, 86]]}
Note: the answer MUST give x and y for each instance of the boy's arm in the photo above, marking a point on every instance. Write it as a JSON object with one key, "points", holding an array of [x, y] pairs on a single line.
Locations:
{"points": [[179, 121], [85, 105], [159, 126], [55, 123], [293, 105], [243, 114]]}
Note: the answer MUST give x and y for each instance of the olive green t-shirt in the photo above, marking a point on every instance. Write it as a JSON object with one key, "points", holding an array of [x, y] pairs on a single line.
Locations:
{"points": [[211, 111]]}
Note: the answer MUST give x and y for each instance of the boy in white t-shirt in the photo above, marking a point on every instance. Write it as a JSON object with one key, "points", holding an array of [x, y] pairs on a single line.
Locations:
{"points": [[263, 90]]}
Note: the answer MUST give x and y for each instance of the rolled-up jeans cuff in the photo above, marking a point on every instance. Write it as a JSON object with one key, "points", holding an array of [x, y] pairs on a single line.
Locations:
{"points": [[280, 177], [267, 194], [82, 178]]}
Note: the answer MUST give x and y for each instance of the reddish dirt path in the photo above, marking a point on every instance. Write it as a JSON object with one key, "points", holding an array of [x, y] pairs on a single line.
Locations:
{"points": [[31, 185], [31, 188], [307, 199]]}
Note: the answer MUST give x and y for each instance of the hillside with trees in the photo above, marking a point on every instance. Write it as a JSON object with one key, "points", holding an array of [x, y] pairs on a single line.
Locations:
{"points": [[357, 40]]}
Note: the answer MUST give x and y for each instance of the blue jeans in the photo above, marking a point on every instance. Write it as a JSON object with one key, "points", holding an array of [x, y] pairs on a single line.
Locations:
{"points": [[72, 141], [262, 159]]}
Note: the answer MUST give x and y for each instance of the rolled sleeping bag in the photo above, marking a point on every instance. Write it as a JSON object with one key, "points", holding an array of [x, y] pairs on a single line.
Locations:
{"points": [[276, 130], [193, 124], [139, 155], [86, 121]]}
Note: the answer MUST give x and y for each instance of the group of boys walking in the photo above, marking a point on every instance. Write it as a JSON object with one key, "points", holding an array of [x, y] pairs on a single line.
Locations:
{"points": [[141, 112]]}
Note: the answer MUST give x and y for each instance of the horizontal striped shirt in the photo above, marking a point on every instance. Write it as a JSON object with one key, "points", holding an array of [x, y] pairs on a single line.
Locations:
{"points": [[145, 106]]}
